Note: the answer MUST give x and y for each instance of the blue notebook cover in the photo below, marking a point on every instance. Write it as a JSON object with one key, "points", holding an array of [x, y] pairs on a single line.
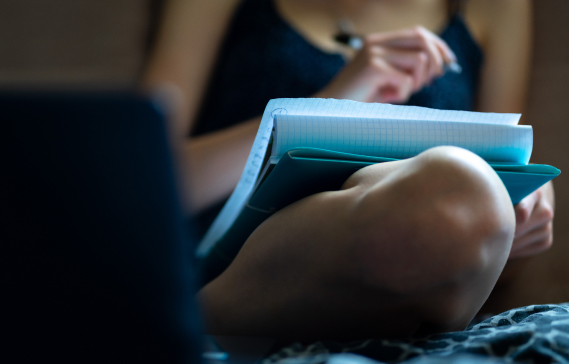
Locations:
{"points": [[303, 172], [307, 146]]}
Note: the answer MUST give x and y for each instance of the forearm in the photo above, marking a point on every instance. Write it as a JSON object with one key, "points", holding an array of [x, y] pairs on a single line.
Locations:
{"points": [[215, 161]]}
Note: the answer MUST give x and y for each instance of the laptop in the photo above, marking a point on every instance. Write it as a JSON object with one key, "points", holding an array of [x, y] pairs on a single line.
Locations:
{"points": [[99, 253]]}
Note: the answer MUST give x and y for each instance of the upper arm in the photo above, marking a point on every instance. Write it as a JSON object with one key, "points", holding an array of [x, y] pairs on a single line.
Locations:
{"points": [[186, 48], [507, 44]]}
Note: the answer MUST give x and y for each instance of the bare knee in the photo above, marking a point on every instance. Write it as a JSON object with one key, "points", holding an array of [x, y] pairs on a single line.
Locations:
{"points": [[425, 231]]}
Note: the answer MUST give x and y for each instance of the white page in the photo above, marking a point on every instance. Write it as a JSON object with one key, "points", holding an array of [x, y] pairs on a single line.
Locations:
{"points": [[331, 107], [400, 139], [323, 107]]}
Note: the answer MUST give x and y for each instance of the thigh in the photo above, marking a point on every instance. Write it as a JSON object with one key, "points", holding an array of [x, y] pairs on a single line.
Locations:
{"points": [[296, 270], [380, 257]]}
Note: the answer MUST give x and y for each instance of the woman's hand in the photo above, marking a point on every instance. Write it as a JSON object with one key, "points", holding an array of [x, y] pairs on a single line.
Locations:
{"points": [[391, 66], [534, 223]]}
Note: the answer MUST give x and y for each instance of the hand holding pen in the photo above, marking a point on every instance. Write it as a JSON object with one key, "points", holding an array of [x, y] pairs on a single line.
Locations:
{"points": [[391, 66]]}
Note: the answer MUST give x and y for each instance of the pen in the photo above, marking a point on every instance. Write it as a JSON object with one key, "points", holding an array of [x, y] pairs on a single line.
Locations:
{"points": [[356, 42]]}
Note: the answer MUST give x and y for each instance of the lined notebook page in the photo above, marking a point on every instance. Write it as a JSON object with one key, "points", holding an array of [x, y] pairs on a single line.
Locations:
{"points": [[401, 138], [322, 107]]}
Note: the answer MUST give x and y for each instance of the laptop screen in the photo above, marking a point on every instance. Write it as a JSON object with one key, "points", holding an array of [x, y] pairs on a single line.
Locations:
{"points": [[100, 258]]}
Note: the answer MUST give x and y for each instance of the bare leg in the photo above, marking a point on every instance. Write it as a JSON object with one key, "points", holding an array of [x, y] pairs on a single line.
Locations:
{"points": [[405, 247]]}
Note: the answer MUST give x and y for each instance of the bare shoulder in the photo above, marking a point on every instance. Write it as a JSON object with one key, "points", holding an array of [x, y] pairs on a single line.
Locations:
{"points": [[188, 41], [486, 17]]}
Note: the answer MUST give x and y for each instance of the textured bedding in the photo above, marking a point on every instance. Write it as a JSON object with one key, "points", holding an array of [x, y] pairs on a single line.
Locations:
{"points": [[532, 334]]}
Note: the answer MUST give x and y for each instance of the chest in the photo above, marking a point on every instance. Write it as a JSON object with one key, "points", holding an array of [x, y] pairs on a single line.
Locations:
{"points": [[264, 57], [319, 20]]}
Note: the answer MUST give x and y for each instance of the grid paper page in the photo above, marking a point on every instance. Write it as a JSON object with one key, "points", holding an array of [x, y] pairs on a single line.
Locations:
{"points": [[331, 107], [323, 107], [401, 138]]}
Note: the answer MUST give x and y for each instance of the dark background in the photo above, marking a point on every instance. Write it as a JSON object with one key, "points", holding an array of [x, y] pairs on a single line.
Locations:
{"points": [[81, 43]]}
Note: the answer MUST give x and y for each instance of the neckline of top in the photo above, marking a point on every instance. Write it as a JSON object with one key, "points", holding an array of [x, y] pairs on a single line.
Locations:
{"points": [[455, 17]]}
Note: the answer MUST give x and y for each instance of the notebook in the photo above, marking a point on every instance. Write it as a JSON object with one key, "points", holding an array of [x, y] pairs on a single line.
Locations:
{"points": [[306, 146]]}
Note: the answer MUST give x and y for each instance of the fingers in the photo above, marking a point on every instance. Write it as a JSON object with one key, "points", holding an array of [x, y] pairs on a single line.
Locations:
{"points": [[417, 39], [534, 225], [525, 208], [413, 63], [392, 85], [371, 78], [412, 38], [532, 212], [534, 242], [391, 66]]}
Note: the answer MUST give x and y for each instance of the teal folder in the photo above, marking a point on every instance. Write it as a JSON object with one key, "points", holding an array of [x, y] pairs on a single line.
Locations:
{"points": [[302, 172], [307, 146]]}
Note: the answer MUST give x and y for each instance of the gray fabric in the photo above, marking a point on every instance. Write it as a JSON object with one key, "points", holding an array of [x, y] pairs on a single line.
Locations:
{"points": [[532, 334]]}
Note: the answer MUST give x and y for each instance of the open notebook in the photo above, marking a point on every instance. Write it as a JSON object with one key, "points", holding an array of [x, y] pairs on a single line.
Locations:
{"points": [[403, 138], [316, 144]]}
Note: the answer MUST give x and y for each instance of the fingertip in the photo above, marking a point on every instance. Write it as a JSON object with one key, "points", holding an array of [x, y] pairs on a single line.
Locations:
{"points": [[452, 55], [548, 243], [449, 55], [525, 207], [547, 212], [522, 212]]}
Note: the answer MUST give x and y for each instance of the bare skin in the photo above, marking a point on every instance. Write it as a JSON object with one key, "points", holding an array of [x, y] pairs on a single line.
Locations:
{"points": [[401, 249], [193, 30], [398, 59]]}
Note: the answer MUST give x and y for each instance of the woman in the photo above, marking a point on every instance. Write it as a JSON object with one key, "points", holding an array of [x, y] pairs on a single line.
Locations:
{"points": [[229, 58]]}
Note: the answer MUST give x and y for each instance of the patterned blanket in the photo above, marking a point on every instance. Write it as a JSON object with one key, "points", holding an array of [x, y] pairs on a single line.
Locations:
{"points": [[532, 334]]}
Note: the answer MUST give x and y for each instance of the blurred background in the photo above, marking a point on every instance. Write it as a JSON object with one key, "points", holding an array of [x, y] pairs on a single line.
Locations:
{"points": [[104, 44]]}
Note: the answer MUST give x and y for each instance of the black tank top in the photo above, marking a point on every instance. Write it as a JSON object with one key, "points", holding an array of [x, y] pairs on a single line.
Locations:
{"points": [[263, 57]]}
